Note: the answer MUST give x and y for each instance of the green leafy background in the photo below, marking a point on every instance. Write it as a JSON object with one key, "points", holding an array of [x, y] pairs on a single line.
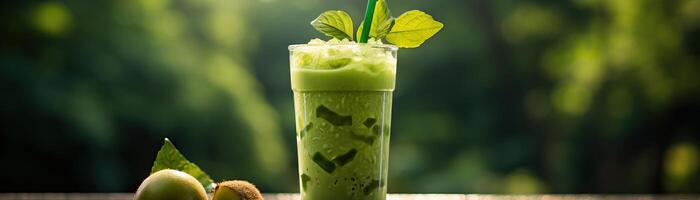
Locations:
{"points": [[526, 96]]}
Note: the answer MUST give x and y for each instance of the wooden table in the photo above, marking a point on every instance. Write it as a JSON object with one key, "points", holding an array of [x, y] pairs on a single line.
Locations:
{"points": [[127, 196]]}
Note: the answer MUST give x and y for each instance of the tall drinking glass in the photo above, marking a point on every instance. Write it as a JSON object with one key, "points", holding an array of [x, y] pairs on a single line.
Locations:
{"points": [[342, 101]]}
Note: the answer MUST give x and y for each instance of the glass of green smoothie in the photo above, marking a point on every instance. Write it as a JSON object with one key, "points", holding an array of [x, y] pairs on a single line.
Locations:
{"points": [[342, 100]]}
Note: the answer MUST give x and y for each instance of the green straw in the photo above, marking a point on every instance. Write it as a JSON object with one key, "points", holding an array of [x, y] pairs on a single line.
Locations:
{"points": [[369, 14]]}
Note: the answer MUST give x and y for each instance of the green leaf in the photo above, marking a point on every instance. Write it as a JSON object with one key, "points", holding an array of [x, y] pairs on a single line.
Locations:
{"points": [[412, 29], [381, 22], [334, 23], [170, 158]]}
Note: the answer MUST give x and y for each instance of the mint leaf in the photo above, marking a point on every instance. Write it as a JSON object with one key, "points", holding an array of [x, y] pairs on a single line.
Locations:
{"points": [[381, 22], [334, 23], [413, 28], [170, 158]]}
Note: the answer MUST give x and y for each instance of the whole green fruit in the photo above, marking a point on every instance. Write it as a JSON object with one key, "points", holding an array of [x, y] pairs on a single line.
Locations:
{"points": [[170, 184]]}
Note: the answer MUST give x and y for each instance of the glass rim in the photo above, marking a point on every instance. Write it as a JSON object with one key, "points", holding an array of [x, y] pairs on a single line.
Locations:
{"points": [[379, 46]]}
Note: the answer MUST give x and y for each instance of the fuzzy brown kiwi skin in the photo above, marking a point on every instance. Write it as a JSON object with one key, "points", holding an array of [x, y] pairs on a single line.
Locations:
{"points": [[245, 189]]}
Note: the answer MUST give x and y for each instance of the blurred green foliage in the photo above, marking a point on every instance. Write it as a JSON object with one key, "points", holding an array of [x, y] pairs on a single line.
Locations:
{"points": [[581, 96]]}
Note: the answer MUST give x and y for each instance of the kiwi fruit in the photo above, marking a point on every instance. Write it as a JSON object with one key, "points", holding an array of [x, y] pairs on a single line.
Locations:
{"points": [[236, 190]]}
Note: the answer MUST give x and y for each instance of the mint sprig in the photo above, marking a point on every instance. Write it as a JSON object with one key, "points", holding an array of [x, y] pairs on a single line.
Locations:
{"points": [[334, 23], [409, 30], [170, 158]]}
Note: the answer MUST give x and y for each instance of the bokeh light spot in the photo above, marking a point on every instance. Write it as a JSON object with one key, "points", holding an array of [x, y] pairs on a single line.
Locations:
{"points": [[680, 165], [681, 160], [225, 28], [523, 182], [52, 18], [154, 5], [541, 23], [572, 99]]}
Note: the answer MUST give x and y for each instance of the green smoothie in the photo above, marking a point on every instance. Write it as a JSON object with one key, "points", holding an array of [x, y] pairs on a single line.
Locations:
{"points": [[342, 99]]}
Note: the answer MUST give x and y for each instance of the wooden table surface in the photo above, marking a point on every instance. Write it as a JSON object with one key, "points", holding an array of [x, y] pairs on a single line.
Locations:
{"points": [[127, 196]]}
